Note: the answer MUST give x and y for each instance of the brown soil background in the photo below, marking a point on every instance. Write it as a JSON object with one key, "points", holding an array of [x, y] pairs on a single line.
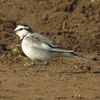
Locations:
{"points": [[65, 78]]}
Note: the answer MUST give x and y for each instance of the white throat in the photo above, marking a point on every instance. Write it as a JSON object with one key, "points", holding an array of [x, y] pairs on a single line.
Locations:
{"points": [[22, 33]]}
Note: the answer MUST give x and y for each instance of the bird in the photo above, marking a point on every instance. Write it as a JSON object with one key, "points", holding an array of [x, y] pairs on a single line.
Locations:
{"points": [[40, 48]]}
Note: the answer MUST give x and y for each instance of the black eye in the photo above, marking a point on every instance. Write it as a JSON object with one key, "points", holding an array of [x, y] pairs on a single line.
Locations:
{"points": [[21, 29]]}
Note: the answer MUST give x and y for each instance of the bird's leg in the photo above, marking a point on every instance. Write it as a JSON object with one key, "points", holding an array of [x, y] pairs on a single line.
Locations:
{"points": [[36, 63], [46, 65]]}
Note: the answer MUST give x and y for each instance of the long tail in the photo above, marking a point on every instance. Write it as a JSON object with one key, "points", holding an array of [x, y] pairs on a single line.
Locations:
{"points": [[84, 58], [70, 53]]}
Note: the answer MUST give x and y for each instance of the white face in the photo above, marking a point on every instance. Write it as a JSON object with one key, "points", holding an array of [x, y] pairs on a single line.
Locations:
{"points": [[21, 31]]}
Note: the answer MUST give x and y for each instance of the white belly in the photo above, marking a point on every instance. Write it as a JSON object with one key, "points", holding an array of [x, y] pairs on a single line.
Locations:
{"points": [[34, 52]]}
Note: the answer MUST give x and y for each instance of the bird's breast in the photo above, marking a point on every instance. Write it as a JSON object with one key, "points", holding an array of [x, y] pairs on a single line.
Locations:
{"points": [[35, 52]]}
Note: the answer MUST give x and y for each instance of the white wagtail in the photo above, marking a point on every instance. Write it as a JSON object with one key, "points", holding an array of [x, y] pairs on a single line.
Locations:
{"points": [[39, 47]]}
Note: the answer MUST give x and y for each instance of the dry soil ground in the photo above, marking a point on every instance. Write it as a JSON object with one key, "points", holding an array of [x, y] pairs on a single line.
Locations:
{"points": [[74, 24]]}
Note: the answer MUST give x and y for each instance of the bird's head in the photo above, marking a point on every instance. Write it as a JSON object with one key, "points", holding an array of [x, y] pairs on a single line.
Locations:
{"points": [[23, 30]]}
